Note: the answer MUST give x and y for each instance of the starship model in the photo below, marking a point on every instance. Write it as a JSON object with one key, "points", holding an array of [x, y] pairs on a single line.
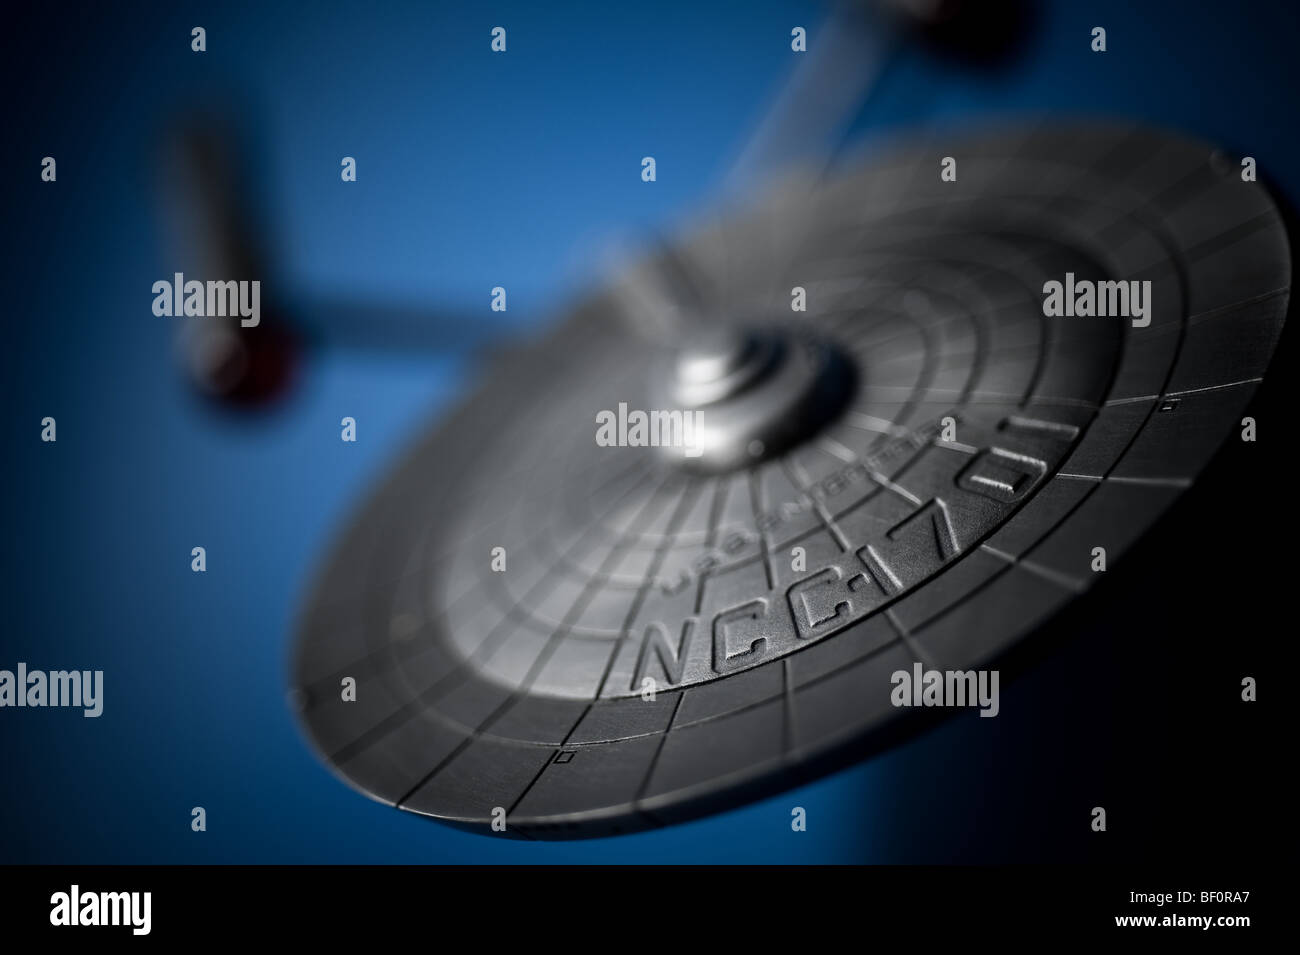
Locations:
{"points": [[921, 467]]}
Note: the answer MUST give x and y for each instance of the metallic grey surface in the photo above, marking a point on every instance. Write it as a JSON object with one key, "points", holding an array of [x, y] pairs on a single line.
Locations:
{"points": [[754, 393], [522, 689]]}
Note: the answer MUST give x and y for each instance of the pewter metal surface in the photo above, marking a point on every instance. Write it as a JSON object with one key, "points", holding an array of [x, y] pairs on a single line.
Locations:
{"points": [[522, 690]]}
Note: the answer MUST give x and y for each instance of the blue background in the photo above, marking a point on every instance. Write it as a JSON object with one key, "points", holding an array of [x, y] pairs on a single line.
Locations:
{"points": [[475, 170]]}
